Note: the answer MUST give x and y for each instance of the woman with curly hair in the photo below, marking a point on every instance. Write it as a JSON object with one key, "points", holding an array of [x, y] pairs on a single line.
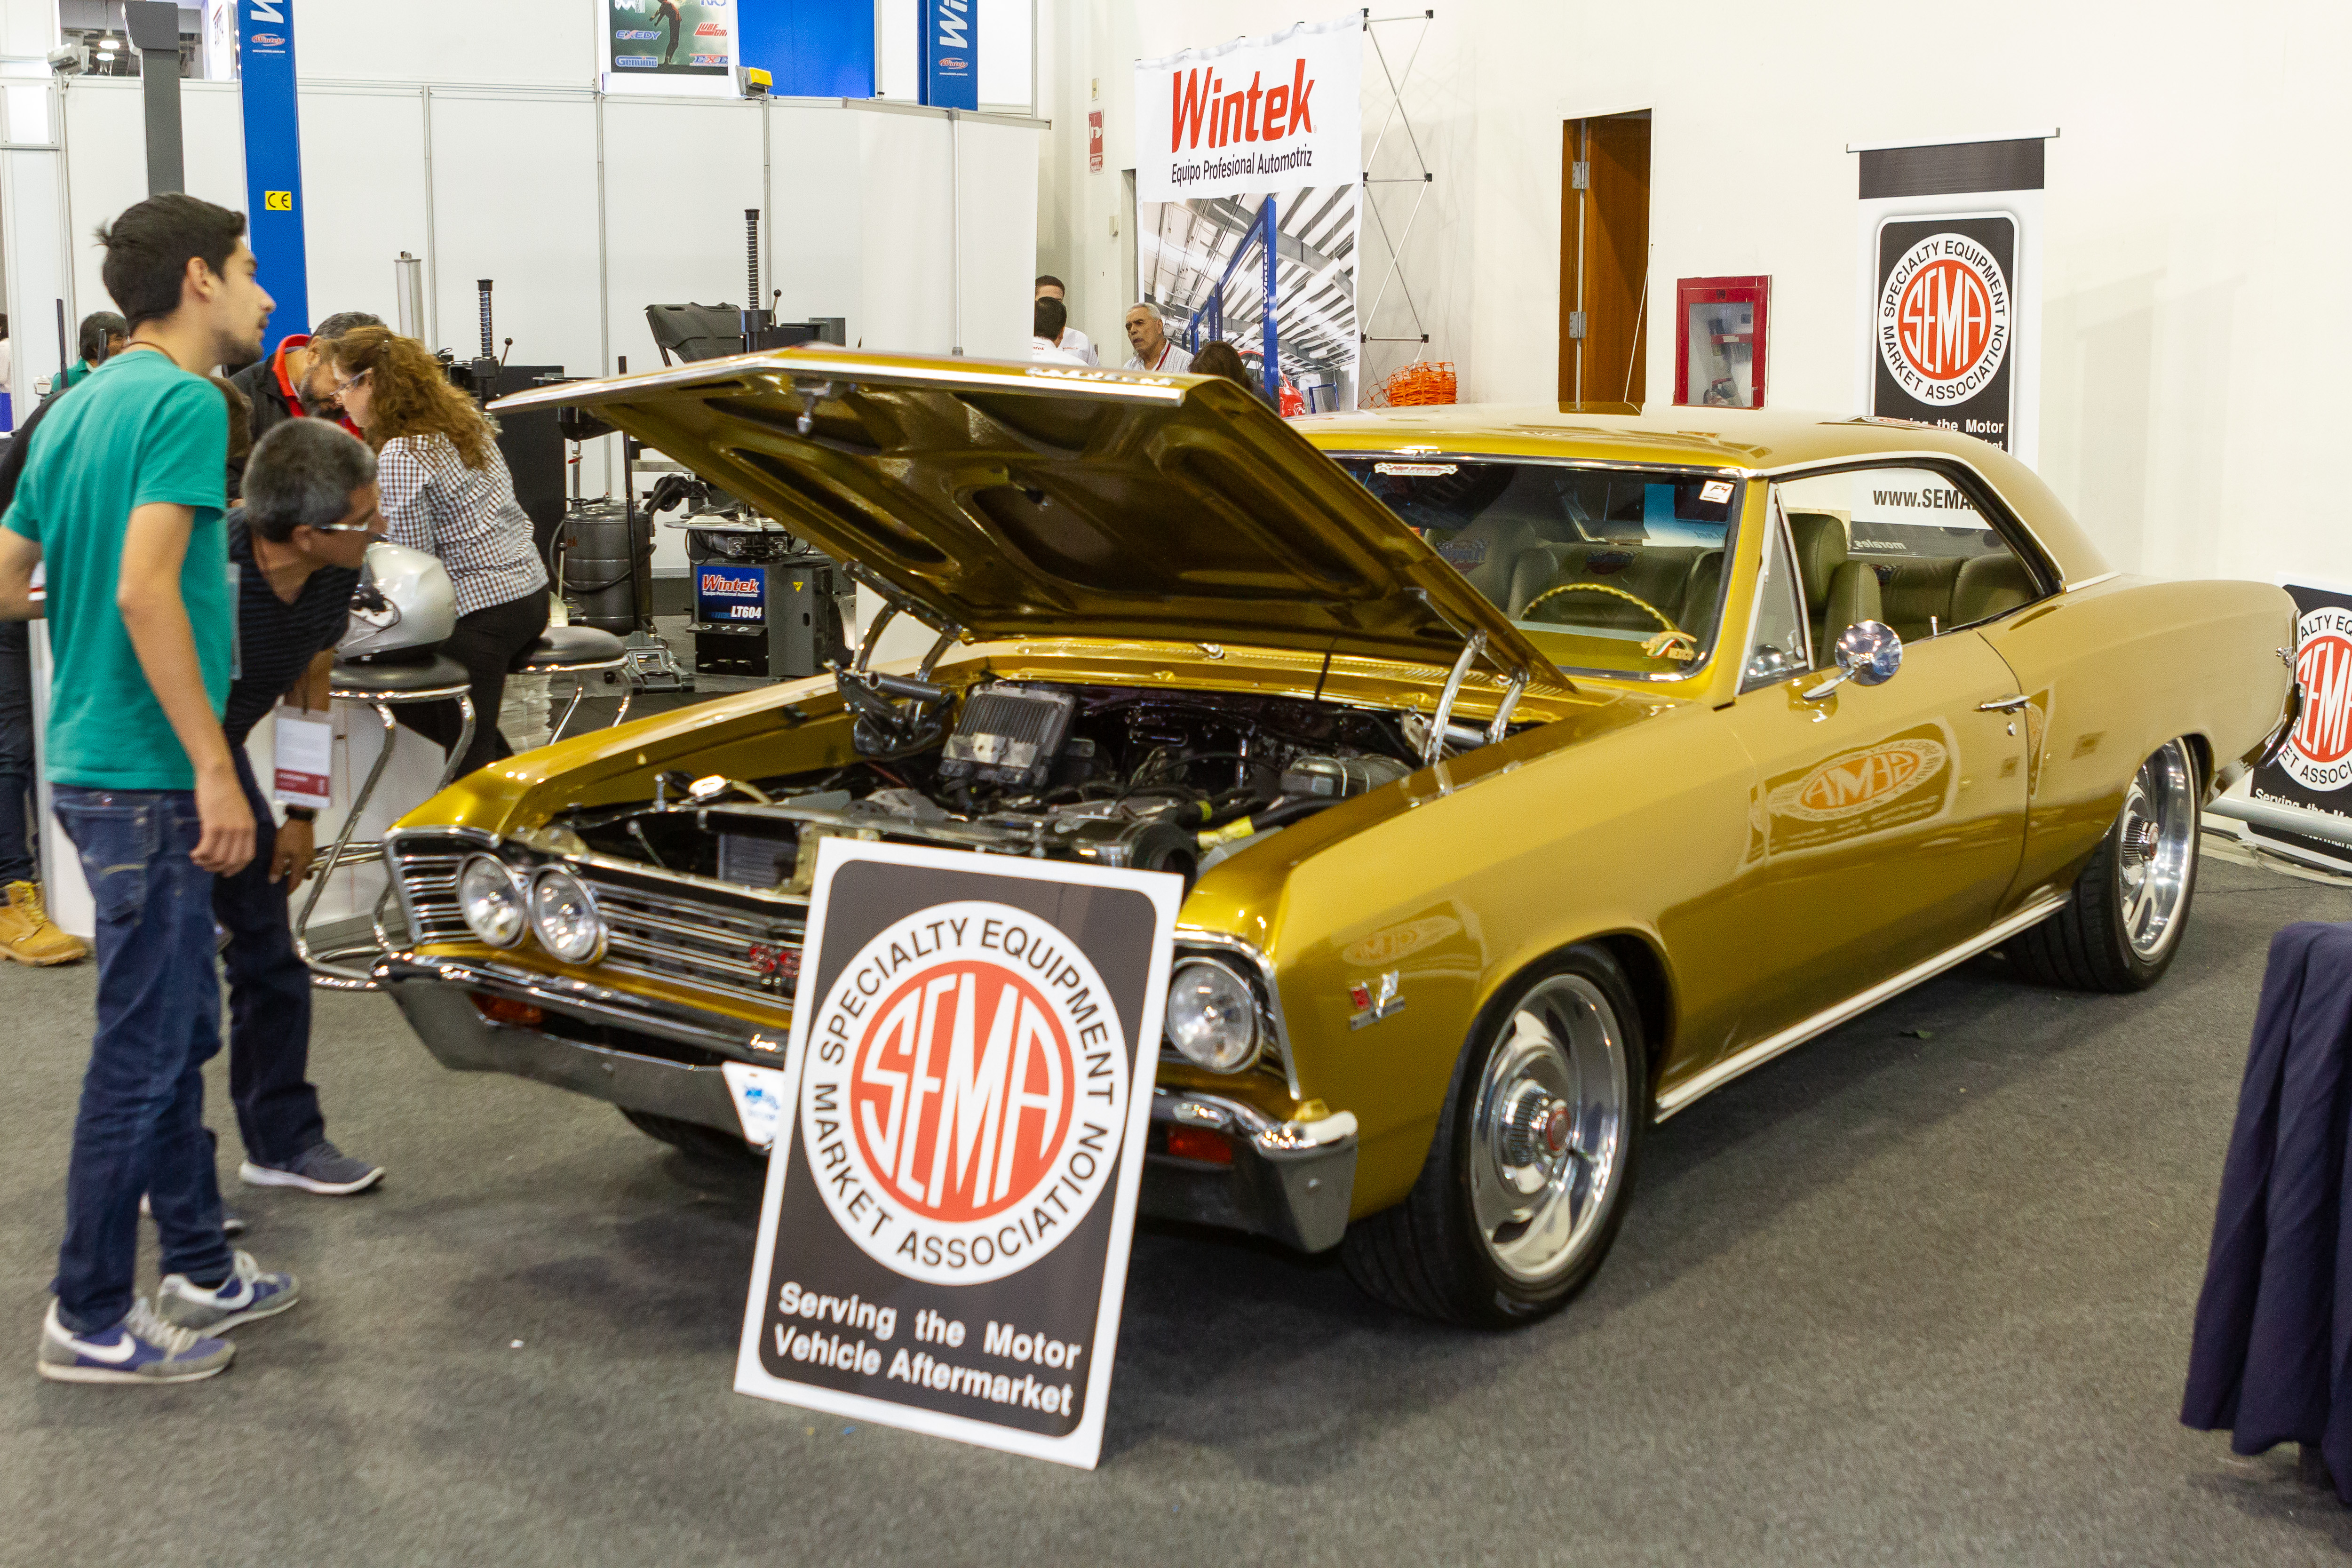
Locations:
{"points": [[446, 489]]}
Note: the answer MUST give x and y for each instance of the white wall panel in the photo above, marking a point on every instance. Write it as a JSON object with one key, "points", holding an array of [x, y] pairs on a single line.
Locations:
{"points": [[815, 244], [514, 200], [999, 182], [363, 183], [106, 161], [552, 43], [678, 174]]}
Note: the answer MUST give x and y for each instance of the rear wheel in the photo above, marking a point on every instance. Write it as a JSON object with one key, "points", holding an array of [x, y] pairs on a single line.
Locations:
{"points": [[692, 1139], [1526, 1181], [2123, 926]]}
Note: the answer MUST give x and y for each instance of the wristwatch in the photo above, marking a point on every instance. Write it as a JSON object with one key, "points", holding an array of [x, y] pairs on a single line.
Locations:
{"points": [[301, 814]]}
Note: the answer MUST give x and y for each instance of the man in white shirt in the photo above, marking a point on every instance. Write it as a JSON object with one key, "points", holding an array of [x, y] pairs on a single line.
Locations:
{"points": [[1154, 350], [1072, 342], [1047, 323]]}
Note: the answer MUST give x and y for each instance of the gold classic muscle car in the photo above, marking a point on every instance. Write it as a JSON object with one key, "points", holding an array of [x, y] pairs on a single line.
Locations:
{"points": [[1532, 773]]}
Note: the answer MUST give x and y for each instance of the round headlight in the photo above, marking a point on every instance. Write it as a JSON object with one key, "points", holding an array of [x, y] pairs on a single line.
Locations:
{"points": [[491, 901], [1212, 1017], [565, 917]]}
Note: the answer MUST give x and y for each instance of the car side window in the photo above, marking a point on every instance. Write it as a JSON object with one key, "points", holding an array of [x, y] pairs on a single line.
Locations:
{"points": [[1778, 647], [1900, 544]]}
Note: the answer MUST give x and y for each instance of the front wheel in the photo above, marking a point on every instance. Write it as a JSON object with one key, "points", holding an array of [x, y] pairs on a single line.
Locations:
{"points": [[1526, 1180], [2123, 926]]}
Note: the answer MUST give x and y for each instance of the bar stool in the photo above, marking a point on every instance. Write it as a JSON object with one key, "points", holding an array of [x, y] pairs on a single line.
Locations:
{"points": [[580, 652], [382, 687]]}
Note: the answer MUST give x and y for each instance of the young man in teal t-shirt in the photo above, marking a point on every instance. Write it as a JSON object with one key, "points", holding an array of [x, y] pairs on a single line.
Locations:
{"points": [[121, 502]]}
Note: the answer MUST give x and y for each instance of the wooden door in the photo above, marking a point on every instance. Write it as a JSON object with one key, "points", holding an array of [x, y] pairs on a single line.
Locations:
{"points": [[1604, 262]]}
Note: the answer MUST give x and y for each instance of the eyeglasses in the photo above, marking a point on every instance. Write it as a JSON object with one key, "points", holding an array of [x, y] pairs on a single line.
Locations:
{"points": [[376, 527], [347, 383]]}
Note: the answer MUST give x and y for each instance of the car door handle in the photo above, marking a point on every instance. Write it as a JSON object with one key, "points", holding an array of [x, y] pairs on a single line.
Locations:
{"points": [[2004, 704]]}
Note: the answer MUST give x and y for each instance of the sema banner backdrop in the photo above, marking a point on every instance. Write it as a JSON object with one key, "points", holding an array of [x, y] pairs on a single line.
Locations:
{"points": [[1951, 287], [670, 45], [1249, 203]]}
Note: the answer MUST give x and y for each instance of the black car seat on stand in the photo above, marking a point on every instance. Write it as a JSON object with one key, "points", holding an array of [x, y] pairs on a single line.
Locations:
{"points": [[1839, 590]]}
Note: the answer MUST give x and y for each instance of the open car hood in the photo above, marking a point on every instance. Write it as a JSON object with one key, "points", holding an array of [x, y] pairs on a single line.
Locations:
{"points": [[1009, 500]]}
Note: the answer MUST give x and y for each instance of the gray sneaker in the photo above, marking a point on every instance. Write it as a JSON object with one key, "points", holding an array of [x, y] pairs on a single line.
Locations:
{"points": [[247, 1294], [142, 1348], [320, 1168]]}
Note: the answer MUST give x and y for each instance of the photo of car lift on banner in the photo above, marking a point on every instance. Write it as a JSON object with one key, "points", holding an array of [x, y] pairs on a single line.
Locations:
{"points": [[959, 1131]]}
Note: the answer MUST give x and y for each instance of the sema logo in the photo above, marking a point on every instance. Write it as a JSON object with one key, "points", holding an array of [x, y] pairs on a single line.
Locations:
{"points": [[2318, 755], [1943, 319], [1850, 785], [966, 1088], [1236, 113]]}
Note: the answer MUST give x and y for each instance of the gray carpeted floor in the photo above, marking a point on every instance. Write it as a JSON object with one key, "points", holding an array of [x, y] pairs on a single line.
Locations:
{"points": [[1893, 1300]]}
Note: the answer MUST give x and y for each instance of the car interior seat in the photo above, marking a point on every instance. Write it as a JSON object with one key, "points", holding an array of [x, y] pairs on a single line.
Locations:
{"points": [[1839, 590], [1989, 585]]}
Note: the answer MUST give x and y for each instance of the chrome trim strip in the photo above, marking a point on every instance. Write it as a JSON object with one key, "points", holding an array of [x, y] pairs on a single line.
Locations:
{"points": [[728, 1037], [1215, 1111], [2090, 581], [1683, 1094], [1882, 460]]}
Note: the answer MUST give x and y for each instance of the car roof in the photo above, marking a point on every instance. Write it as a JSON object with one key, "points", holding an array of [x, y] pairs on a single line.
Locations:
{"points": [[1750, 441]]}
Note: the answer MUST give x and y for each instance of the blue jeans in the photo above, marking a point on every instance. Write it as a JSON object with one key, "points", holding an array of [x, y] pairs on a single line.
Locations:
{"points": [[141, 1127], [268, 1000], [16, 860]]}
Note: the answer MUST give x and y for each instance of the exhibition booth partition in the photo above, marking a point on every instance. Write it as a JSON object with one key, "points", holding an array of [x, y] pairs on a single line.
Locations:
{"points": [[915, 226]]}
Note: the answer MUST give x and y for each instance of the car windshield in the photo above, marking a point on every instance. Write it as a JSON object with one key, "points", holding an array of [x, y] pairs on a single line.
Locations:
{"points": [[1612, 571]]}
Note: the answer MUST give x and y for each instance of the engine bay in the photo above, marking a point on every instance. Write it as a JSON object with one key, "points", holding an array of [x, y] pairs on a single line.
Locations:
{"points": [[1147, 779]]}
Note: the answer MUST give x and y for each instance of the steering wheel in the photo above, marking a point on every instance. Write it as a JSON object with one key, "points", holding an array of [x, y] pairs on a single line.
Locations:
{"points": [[1672, 643]]}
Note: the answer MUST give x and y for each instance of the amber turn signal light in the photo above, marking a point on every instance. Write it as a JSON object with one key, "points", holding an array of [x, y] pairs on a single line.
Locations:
{"points": [[1200, 1144], [507, 1010]]}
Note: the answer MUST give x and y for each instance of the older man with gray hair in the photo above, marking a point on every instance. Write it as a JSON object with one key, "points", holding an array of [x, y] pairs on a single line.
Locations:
{"points": [[308, 516]]}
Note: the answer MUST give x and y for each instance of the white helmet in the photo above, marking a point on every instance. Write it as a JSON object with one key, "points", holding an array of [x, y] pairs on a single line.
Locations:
{"points": [[404, 604]]}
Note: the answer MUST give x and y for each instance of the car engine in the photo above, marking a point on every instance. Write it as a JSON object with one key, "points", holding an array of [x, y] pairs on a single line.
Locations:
{"points": [[1151, 780]]}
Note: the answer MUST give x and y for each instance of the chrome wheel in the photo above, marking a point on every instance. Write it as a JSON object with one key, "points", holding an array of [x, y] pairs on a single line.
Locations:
{"points": [[2156, 850], [1547, 1131]]}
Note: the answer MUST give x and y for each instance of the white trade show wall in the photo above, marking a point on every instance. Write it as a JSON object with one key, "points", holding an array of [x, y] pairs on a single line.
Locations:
{"points": [[2190, 208], [583, 208]]}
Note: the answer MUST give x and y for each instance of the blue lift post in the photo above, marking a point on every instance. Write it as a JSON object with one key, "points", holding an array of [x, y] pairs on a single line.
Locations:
{"points": [[1260, 229]]}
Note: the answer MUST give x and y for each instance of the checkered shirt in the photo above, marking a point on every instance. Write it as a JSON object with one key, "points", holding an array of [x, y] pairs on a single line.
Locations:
{"points": [[467, 516]]}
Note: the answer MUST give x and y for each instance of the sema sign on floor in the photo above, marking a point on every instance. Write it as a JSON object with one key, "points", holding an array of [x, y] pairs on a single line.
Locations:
{"points": [[952, 1191]]}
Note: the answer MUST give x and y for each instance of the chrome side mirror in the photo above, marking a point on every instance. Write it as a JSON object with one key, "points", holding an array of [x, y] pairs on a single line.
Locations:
{"points": [[1868, 653]]}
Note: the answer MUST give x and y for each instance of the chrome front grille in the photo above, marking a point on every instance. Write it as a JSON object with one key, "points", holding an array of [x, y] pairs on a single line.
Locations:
{"points": [[703, 940], [740, 951], [428, 886]]}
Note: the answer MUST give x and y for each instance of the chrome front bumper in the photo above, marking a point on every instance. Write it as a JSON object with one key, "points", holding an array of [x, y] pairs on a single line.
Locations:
{"points": [[1291, 1180]]}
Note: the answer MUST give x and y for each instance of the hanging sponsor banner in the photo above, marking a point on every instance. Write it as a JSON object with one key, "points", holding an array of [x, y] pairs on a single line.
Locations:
{"points": [[273, 162], [670, 46], [1248, 204], [959, 1144], [949, 40], [2314, 769], [1951, 274]]}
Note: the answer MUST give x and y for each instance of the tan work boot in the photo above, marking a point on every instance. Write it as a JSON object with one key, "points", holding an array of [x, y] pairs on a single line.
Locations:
{"points": [[26, 933]]}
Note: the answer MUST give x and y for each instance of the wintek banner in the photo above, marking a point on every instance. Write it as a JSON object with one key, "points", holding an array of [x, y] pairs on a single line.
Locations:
{"points": [[964, 1098], [1256, 114], [1951, 288], [1249, 204]]}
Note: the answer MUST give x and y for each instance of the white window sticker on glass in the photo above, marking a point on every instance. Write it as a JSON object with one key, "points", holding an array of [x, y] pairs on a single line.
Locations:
{"points": [[1415, 470], [1897, 513], [1716, 491]]}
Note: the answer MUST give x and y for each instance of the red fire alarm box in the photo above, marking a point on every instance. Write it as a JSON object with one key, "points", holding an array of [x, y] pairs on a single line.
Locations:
{"points": [[1719, 341]]}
